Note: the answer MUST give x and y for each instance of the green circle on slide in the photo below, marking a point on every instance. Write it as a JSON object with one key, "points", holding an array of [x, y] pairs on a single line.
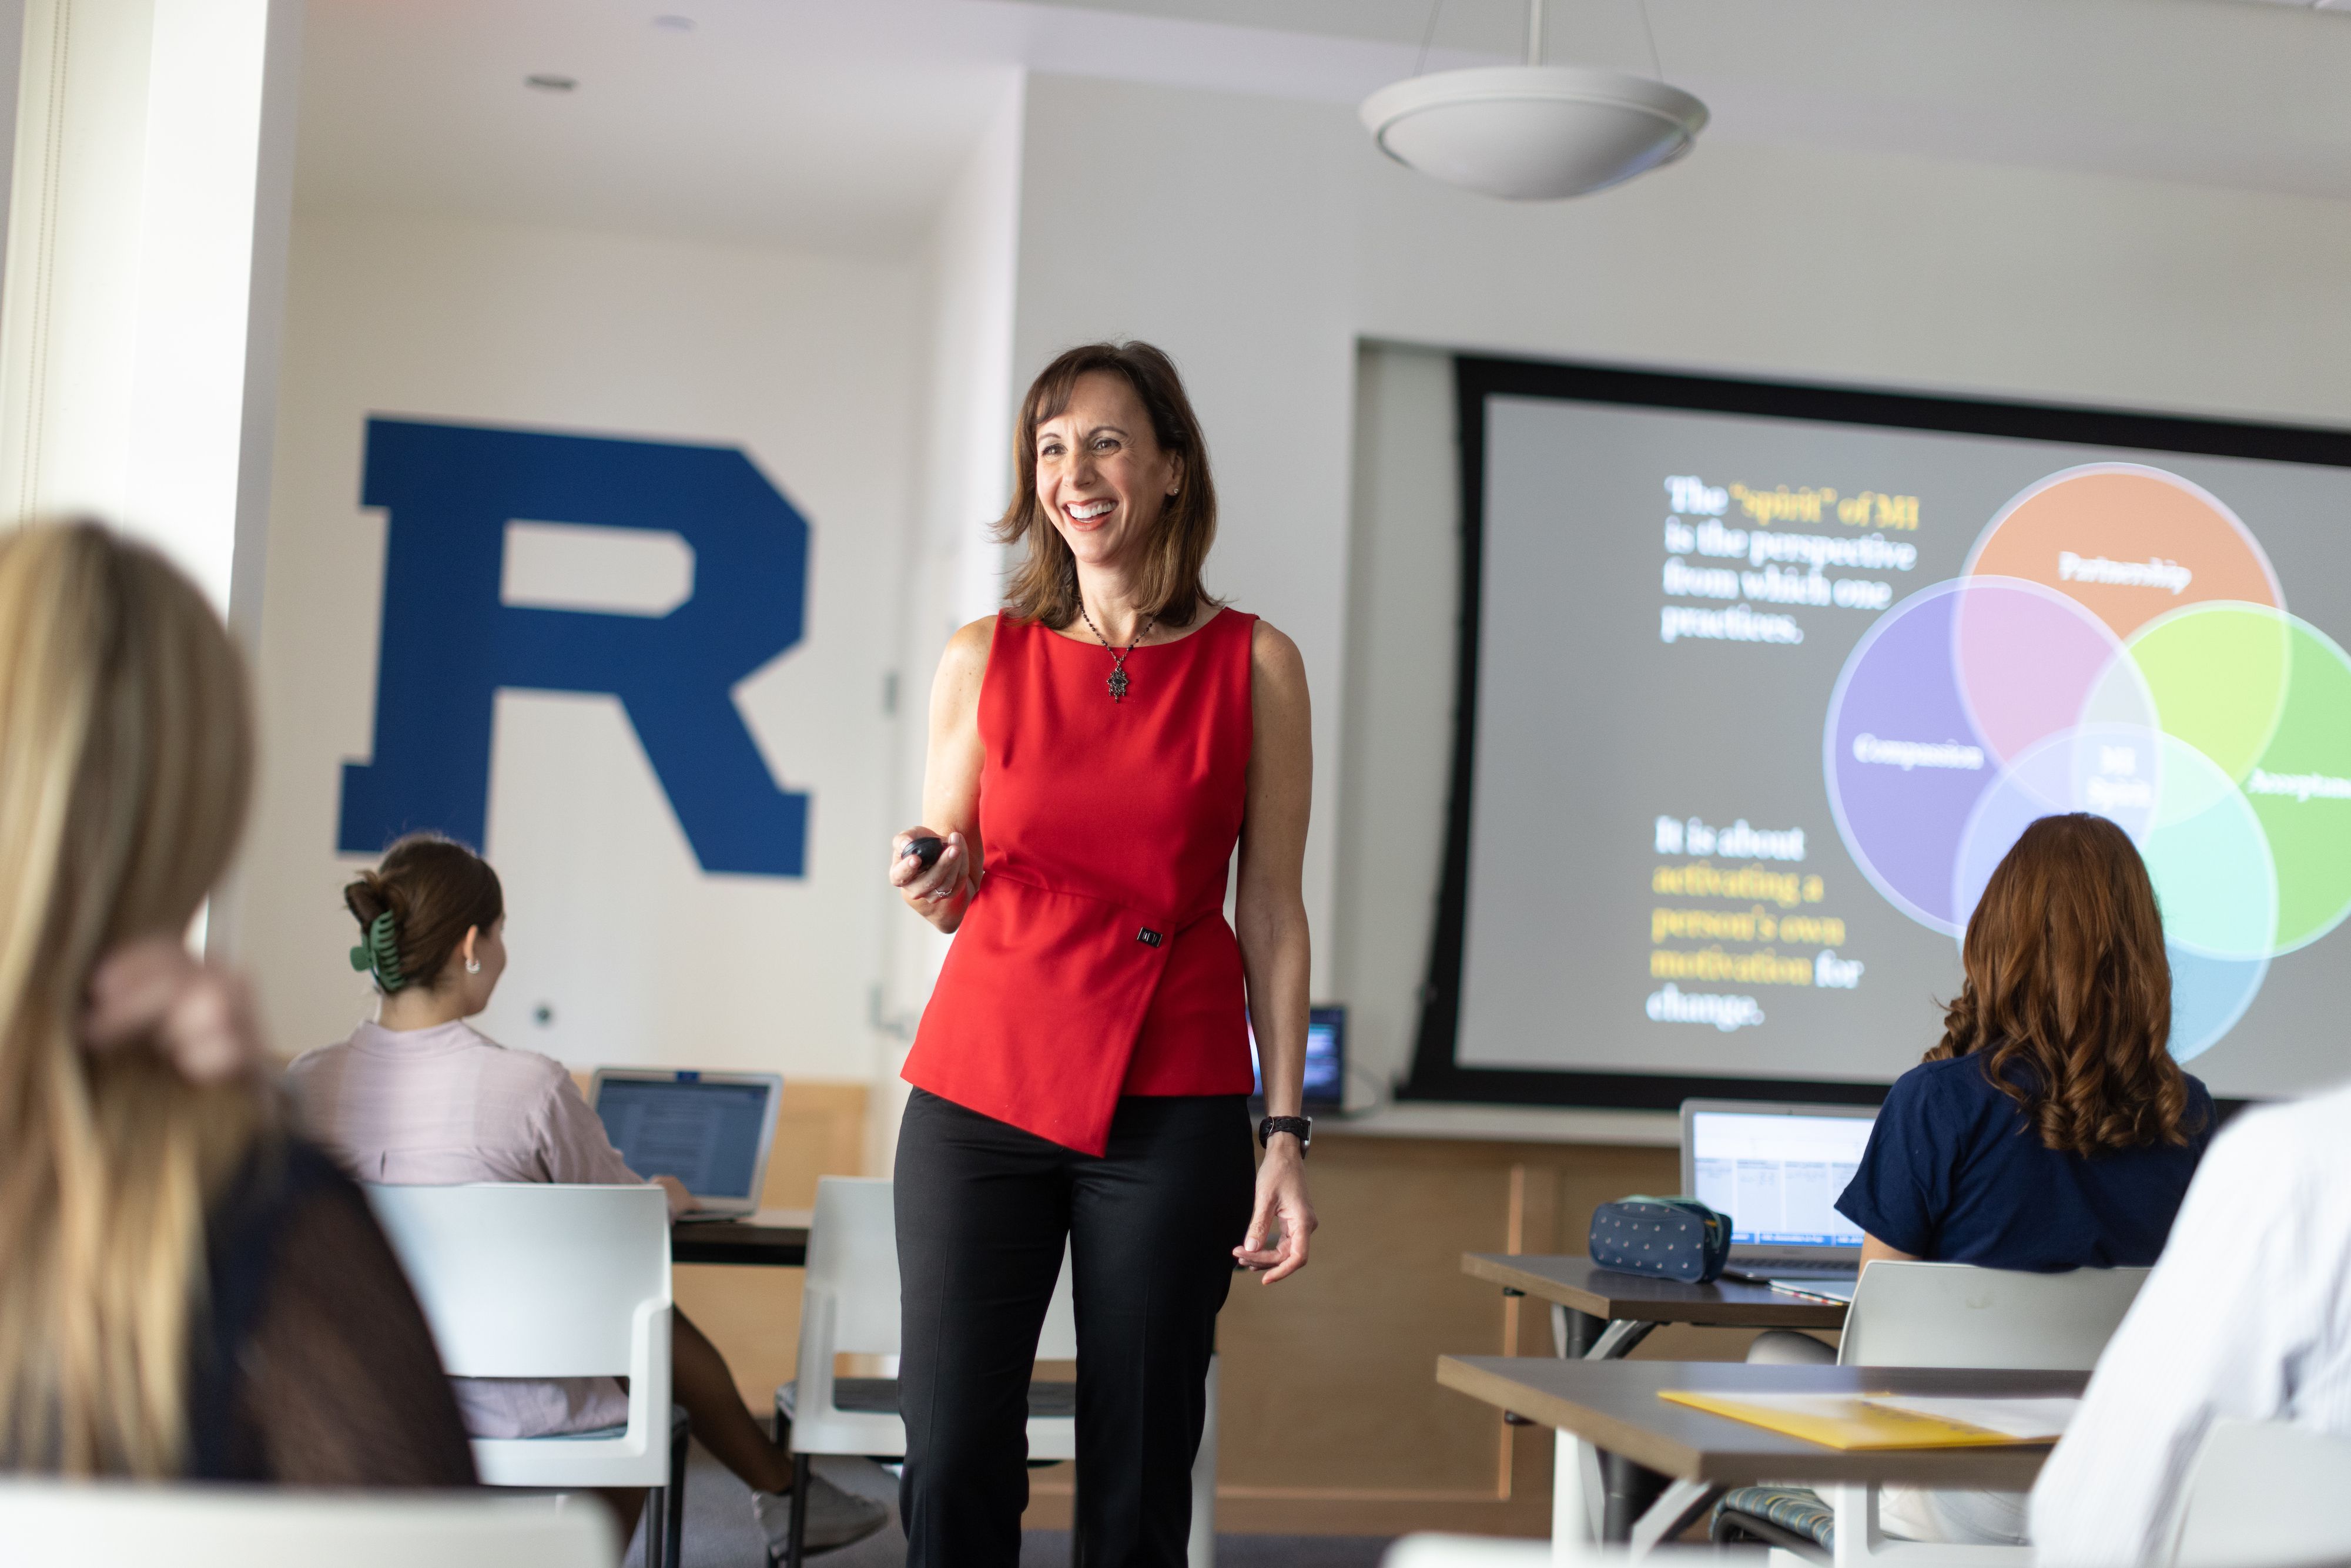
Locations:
{"points": [[2209, 859], [2217, 673], [2310, 839]]}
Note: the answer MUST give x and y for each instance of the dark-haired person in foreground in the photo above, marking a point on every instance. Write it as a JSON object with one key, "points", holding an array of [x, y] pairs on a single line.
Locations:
{"points": [[421, 1097], [2050, 1128]]}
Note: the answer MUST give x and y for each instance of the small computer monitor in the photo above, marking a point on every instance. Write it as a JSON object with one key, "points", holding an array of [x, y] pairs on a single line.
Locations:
{"points": [[712, 1130], [1326, 1059]]}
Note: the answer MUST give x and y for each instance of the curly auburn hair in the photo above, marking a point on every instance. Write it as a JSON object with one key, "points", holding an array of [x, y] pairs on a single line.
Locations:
{"points": [[2066, 976]]}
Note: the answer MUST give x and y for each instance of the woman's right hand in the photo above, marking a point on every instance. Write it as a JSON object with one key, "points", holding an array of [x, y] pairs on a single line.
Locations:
{"points": [[201, 1017], [931, 893]]}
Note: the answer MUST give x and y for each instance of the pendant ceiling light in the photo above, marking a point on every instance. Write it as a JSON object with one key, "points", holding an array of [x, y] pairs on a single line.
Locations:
{"points": [[1532, 132]]}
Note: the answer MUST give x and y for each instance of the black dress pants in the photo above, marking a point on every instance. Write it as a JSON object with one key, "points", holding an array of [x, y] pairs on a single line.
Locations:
{"points": [[983, 1208]]}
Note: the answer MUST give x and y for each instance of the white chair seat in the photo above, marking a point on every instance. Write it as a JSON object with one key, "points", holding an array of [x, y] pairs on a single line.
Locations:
{"points": [[2266, 1494], [118, 1525]]}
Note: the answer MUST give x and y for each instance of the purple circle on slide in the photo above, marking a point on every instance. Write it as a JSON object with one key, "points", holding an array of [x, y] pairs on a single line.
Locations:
{"points": [[2029, 659], [1894, 752]]}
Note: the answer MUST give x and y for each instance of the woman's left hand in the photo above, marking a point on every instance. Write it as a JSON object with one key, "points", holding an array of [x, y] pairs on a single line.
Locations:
{"points": [[1281, 1203], [199, 1017]]}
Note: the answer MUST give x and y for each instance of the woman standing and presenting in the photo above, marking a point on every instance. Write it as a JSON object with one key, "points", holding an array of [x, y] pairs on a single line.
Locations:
{"points": [[1082, 1071]]}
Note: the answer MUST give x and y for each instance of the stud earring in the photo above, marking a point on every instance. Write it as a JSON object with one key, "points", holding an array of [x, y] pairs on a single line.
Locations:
{"points": [[473, 965]]}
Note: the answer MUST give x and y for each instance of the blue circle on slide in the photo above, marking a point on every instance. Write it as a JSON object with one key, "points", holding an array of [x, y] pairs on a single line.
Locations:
{"points": [[2208, 996]]}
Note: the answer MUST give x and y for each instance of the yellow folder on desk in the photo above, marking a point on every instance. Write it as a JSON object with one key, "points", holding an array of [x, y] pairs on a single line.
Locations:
{"points": [[1847, 1421]]}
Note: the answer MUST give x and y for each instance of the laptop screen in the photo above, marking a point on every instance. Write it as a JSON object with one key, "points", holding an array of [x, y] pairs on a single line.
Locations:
{"points": [[705, 1134], [1778, 1177]]}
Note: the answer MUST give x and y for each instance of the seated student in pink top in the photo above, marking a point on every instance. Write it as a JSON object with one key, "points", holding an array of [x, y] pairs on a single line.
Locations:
{"points": [[419, 1097]]}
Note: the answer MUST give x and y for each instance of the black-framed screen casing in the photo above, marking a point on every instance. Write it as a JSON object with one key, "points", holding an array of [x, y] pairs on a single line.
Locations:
{"points": [[1436, 1074]]}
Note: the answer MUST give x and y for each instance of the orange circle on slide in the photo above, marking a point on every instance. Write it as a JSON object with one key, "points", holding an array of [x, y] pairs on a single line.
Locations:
{"points": [[2133, 517]]}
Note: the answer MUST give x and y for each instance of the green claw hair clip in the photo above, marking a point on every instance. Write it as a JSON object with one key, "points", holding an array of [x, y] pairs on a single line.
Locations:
{"points": [[381, 953]]}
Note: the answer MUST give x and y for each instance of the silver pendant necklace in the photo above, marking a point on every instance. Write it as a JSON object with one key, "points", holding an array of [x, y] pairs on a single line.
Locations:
{"points": [[1118, 682]]}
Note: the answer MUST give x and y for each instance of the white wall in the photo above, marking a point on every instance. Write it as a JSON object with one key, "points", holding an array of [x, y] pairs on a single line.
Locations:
{"points": [[1263, 243], [811, 366], [953, 569], [150, 194], [1260, 242], [1212, 226]]}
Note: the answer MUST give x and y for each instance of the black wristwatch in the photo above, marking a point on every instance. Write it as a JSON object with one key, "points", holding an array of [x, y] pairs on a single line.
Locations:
{"points": [[1303, 1126]]}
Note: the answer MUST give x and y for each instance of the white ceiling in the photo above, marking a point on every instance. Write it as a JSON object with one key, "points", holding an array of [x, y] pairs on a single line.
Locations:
{"points": [[837, 124]]}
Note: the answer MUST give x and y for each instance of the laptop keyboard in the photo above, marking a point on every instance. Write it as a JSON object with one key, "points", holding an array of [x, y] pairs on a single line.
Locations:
{"points": [[1772, 1265]]}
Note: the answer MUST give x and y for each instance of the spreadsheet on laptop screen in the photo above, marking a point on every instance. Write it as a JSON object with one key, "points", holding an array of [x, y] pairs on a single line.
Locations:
{"points": [[705, 1134], [1779, 1178]]}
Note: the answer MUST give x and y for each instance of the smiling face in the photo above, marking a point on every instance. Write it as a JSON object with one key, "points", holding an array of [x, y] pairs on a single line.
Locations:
{"points": [[1102, 474]]}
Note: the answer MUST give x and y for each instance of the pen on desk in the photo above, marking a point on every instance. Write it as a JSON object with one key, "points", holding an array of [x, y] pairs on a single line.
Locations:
{"points": [[1808, 1295]]}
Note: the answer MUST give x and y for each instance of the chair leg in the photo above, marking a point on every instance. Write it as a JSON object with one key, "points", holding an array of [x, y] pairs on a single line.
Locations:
{"points": [[796, 1547], [673, 1511], [653, 1528]]}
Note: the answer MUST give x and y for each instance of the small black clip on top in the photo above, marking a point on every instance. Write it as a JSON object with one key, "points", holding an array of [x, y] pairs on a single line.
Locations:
{"points": [[1149, 937]]}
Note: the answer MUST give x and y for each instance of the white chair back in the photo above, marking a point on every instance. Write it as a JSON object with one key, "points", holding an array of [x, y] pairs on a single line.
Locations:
{"points": [[849, 1306], [1956, 1315], [2266, 1494], [547, 1281], [852, 1263], [54, 1525], [1057, 1340]]}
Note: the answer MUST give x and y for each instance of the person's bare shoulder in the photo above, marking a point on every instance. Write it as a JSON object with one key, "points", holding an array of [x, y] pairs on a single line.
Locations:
{"points": [[1276, 661], [967, 649], [963, 666]]}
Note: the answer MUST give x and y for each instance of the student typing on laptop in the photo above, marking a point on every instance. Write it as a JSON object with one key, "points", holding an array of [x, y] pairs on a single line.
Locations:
{"points": [[2050, 1128], [419, 1096]]}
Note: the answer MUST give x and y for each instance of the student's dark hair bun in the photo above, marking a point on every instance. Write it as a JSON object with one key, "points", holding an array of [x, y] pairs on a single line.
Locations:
{"points": [[434, 889]]}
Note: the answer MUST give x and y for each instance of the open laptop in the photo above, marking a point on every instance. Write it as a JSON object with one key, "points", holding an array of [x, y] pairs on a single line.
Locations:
{"points": [[1777, 1170], [711, 1131]]}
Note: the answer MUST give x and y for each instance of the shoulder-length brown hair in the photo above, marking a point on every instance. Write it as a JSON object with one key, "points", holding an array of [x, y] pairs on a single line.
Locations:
{"points": [[1043, 586], [2066, 978]]}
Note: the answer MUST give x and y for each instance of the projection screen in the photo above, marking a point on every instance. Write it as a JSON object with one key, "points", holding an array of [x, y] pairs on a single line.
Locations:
{"points": [[1759, 683]]}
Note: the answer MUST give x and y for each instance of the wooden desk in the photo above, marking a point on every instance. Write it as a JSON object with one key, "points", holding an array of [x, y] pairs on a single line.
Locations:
{"points": [[1614, 1404], [1603, 1314], [773, 1238]]}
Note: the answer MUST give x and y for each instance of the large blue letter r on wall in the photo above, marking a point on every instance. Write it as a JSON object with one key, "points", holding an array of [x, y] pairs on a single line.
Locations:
{"points": [[449, 641]]}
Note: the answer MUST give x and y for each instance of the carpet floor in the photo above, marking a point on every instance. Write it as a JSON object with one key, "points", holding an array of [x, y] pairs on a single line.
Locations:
{"points": [[720, 1531]]}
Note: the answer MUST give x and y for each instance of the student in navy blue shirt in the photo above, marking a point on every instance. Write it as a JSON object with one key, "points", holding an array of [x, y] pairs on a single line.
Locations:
{"points": [[2050, 1129]]}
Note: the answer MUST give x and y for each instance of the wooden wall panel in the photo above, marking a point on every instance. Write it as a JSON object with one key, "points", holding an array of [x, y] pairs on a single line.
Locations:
{"points": [[1332, 1422]]}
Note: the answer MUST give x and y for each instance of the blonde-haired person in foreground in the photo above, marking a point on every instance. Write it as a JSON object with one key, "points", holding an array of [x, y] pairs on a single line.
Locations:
{"points": [[185, 1291]]}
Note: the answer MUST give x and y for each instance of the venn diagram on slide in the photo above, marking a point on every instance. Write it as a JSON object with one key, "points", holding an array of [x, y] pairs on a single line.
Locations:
{"points": [[2118, 643]]}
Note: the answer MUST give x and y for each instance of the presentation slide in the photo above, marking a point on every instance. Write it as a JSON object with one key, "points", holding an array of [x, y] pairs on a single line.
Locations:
{"points": [[1761, 701]]}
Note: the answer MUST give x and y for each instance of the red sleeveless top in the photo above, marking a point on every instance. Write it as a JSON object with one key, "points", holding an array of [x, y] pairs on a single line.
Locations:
{"points": [[1095, 961]]}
